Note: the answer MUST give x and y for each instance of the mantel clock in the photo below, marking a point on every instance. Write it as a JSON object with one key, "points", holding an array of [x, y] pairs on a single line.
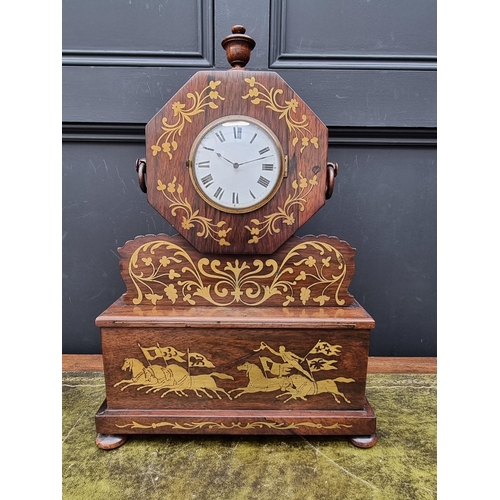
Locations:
{"points": [[236, 161], [235, 325]]}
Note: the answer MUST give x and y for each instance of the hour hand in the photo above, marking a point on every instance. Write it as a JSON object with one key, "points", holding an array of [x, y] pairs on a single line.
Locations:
{"points": [[224, 158]]}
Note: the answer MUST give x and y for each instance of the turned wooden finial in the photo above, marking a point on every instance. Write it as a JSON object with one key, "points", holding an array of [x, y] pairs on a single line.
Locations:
{"points": [[238, 47]]}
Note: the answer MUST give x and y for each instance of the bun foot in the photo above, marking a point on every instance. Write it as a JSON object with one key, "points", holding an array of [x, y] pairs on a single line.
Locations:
{"points": [[364, 441], [109, 442]]}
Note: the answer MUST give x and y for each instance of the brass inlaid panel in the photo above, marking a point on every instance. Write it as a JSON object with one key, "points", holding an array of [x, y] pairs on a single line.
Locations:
{"points": [[278, 370], [312, 272], [228, 228]]}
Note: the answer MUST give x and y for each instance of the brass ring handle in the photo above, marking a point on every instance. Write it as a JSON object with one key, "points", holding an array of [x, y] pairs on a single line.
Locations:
{"points": [[140, 168], [332, 170]]}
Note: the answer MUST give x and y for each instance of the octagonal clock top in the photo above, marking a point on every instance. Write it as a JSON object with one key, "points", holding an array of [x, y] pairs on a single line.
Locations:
{"points": [[236, 161]]}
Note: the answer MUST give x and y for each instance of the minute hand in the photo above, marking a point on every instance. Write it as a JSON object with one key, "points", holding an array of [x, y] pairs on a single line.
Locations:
{"points": [[256, 159]]}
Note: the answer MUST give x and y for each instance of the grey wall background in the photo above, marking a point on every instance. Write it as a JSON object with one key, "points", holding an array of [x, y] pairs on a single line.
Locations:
{"points": [[367, 69]]}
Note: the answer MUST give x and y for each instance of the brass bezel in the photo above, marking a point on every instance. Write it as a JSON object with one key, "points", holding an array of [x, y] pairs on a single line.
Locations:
{"points": [[282, 164]]}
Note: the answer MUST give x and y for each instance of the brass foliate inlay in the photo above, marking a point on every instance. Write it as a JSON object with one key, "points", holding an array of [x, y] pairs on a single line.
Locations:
{"points": [[261, 95], [191, 426], [184, 112], [192, 218], [301, 189], [311, 272]]}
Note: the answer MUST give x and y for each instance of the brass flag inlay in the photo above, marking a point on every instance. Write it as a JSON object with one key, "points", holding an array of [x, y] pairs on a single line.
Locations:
{"points": [[172, 377], [259, 94], [312, 271], [294, 376], [167, 142], [285, 371]]}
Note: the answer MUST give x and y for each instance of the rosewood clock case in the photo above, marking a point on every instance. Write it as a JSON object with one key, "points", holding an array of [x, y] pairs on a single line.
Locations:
{"points": [[206, 97], [236, 325]]}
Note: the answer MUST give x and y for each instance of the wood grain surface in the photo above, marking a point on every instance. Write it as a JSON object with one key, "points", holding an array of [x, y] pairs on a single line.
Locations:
{"points": [[376, 364]]}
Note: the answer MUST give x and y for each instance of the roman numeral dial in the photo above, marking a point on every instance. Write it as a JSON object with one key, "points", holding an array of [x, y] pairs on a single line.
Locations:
{"points": [[208, 180], [263, 181], [236, 164]]}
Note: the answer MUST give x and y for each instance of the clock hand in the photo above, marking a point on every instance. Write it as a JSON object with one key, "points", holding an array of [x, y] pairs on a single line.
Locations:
{"points": [[236, 165], [220, 156]]}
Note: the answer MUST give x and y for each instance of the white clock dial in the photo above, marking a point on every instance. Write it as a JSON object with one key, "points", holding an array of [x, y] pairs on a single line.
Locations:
{"points": [[236, 164]]}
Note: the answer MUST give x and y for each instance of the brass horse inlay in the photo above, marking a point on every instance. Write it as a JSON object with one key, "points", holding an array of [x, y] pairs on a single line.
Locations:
{"points": [[297, 385], [172, 378], [293, 375]]}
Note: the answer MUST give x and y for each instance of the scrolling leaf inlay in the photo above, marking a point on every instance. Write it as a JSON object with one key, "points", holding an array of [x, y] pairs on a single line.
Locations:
{"points": [[190, 426], [173, 271], [301, 190], [261, 95], [215, 231], [200, 100]]}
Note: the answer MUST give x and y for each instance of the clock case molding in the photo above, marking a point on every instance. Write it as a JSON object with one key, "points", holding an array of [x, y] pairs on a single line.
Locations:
{"points": [[236, 326]]}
